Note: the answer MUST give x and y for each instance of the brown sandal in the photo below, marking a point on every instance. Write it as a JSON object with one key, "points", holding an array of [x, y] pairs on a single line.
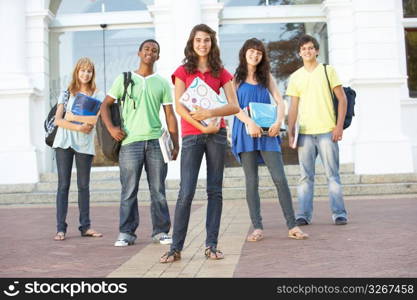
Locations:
{"points": [[213, 253], [59, 236], [296, 233], [255, 236], [170, 256], [91, 233]]}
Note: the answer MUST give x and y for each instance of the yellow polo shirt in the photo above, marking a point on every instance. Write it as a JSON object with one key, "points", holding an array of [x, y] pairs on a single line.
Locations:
{"points": [[315, 110]]}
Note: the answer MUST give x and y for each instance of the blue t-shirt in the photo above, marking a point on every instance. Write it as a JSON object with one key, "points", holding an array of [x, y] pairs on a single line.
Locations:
{"points": [[241, 141]]}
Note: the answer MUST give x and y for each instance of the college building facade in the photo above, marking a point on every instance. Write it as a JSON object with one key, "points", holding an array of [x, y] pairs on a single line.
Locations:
{"points": [[371, 43]]}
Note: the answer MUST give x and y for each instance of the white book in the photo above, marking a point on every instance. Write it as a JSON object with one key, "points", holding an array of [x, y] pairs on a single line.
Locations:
{"points": [[201, 94], [166, 145]]}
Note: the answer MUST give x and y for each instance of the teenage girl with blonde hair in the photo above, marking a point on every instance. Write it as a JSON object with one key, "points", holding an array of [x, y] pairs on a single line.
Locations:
{"points": [[75, 140]]}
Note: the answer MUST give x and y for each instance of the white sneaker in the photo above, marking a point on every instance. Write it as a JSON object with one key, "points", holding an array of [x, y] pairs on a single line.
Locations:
{"points": [[162, 238], [121, 243], [124, 240]]}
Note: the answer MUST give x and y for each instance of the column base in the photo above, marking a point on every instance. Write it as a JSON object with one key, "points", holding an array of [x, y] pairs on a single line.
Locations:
{"points": [[383, 157], [19, 166]]}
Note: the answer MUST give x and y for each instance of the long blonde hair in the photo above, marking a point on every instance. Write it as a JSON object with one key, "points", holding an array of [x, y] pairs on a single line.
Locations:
{"points": [[75, 85]]}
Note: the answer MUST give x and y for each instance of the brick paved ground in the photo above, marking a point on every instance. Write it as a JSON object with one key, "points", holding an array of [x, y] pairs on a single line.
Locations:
{"points": [[379, 241]]}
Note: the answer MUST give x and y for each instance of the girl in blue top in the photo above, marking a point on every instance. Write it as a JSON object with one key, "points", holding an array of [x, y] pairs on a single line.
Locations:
{"points": [[254, 83], [75, 140]]}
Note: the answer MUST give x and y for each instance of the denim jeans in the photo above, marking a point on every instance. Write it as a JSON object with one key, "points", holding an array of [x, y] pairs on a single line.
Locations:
{"points": [[132, 158], [273, 160], [64, 160], [311, 145], [193, 148]]}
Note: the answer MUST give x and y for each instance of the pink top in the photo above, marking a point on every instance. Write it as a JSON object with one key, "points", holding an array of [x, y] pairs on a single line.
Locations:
{"points": [[214, 82]]}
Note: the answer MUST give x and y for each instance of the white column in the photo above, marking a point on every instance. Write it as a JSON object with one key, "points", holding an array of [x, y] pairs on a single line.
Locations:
{"points": [[38, 17], [339, 14], [19, 100], [173, 20], [13, 34], [185, 15], [380, 146], [210, 13]]}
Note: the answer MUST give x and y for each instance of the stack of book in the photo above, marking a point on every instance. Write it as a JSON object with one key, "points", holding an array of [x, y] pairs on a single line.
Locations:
{"points": [[201, 94], [263, 114], [85, 106]]}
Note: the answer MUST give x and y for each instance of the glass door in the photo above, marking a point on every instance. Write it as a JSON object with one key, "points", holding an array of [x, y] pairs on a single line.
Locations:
{"points": [[113, 52]]}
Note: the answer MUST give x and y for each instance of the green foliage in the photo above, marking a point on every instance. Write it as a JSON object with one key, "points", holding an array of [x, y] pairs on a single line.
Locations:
{"points": [[283, 53], [410, 8], [411, 46]]}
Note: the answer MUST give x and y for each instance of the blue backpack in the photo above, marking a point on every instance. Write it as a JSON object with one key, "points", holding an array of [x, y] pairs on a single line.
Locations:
{"points": [[350, 96]]}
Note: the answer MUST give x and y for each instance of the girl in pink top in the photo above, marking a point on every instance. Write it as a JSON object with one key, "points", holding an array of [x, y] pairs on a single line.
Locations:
{"points": [[202, 59]]}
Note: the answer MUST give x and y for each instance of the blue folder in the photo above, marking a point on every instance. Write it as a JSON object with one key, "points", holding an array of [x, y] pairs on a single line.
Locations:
{"points": [[85, 105], [263, 114]]}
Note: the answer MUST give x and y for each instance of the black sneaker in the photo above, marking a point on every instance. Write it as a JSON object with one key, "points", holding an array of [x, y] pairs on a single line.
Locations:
{"points": [[340, 221], [301, 222]]}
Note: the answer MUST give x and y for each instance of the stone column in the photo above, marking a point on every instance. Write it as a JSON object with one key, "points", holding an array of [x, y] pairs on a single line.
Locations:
{"points": [[380, 146], [341, 43], [173, 20], [210, 13], [18, 153], [38, 17]]}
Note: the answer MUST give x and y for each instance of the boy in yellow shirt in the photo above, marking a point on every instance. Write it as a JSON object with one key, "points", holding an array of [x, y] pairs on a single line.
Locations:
{"points": [[319, 132]]}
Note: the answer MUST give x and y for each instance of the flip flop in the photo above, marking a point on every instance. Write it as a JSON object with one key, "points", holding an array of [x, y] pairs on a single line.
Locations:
{"points": [[297, 234], [170, 257], [91, 233], [213, 254], [255, 236], [59, 236]]}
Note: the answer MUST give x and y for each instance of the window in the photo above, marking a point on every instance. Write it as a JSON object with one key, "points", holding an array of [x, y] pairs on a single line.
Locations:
{"points": [[410, 8], [268, 2], [410, 24], [280, 40], [411, 51], [116, 54], [94, 6]]}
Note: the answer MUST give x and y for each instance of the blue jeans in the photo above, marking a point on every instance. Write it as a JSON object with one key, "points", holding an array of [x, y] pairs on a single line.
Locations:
{"points": [[273, 161], [64, 160], [132, 157], [193, 149], [311, 145]]}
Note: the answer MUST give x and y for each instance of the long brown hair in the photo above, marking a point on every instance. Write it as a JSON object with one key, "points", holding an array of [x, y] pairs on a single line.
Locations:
{"points": [[262, 69], [75, 86], [191, 58]]}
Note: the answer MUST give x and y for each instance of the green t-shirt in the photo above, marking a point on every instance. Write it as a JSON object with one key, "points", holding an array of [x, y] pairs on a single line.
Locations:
{"points": [[141, 108], [315, 110]]}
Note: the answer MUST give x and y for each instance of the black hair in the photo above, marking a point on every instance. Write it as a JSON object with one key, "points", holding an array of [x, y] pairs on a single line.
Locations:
{"points": [[262, 69], [149, 41]]}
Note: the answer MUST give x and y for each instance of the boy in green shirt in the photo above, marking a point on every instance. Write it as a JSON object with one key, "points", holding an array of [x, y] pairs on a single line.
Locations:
{"points": [[319, 131], [140, 146]]}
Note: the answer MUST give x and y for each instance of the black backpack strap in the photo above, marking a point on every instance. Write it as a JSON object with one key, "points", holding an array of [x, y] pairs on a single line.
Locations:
{"points": [[335, 102], [328, 81], [127, 80]]}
